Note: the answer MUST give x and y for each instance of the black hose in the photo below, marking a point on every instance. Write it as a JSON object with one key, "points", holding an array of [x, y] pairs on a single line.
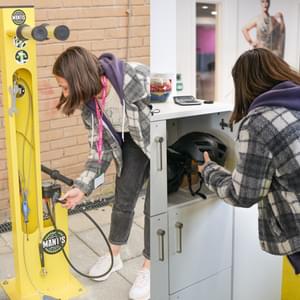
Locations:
{"points": [[54, 174], [63, 250]]}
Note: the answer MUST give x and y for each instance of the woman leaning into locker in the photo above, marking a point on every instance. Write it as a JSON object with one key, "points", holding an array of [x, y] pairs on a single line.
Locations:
{"points": [[267, 104], [113, 97]]}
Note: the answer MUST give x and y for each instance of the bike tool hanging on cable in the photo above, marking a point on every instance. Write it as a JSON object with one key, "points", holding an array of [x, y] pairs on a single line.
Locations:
{"points": [[51, 195]]}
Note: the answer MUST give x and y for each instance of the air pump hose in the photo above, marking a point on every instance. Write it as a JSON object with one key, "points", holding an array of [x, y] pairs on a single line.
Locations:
{"points": [[54, 174], [65, 254]]}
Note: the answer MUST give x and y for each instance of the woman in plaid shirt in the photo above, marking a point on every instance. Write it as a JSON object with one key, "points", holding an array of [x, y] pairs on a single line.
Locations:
{"points": [[267, 102], [113, 97]]}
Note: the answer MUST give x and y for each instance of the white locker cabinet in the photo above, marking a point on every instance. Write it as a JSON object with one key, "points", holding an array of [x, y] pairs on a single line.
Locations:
{"points": [[191, 238], [200, 241]]}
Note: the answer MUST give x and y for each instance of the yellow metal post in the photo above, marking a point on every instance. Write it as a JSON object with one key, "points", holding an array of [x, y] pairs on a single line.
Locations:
{"points": [[20, 107], [290, 282]]}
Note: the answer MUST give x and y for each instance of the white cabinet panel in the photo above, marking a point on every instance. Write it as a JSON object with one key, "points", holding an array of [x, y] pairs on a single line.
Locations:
{"points": [[159, 257], [217, 287], [158, 168], [256, 274], [200, 241]]}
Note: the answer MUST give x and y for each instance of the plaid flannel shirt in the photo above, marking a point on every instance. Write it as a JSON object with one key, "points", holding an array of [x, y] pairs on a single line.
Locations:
{"points": [[267, 173], [137, 109]]}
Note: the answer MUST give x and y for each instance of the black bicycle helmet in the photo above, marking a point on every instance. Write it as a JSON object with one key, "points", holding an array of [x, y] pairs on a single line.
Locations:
{"points": [[176, 166], [184, 151], [195, 143]]}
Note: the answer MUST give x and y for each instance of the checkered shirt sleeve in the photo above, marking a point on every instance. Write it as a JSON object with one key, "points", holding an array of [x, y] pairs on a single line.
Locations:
{"points": [[85, 182], [250, 181]]}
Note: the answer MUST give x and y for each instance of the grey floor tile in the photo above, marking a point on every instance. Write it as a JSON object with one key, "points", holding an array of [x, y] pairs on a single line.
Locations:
{"points": [[3, 295], [82, 257], [7, 266], [79, 222], [114, 288], [133, 248], [5, 250], [7, 237], [4, 247], [139, 209], [131, 267], [2, 242], [139, 221]]}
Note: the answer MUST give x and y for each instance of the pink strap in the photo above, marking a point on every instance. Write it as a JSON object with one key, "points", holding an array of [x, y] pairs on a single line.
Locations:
{"points": [[99, 112]]}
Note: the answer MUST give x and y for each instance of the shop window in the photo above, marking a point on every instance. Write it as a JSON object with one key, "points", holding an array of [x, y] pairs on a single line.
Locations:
{"points": [[206, 37]]}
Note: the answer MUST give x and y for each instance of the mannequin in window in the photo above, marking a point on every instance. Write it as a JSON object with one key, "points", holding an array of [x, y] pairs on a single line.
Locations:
{"points": [[270, 30]]}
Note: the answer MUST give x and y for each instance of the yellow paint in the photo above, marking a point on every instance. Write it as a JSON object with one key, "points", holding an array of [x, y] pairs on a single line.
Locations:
{"points": [[24, 175], [290, 282]]}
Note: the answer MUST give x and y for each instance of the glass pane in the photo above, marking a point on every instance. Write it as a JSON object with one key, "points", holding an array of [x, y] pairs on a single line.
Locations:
{"points": [[205, 50]]}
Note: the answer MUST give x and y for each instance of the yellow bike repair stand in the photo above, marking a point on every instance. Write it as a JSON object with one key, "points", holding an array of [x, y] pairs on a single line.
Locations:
{"points": [[290, 282], [41, 271]]}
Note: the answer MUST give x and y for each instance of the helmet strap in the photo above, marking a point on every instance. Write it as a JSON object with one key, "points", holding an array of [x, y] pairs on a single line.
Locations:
{"points": [[197, 192]]}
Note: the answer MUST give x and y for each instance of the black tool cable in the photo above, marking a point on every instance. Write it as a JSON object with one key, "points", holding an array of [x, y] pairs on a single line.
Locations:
{"points": [[63, 250], [54, 174]]}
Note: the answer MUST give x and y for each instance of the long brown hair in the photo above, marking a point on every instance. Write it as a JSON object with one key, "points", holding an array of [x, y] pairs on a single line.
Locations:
{"points": [[81, 69], [255, 72]]}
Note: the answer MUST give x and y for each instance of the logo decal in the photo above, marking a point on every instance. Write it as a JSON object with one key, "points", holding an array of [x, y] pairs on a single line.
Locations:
{"points": [[22, 57], [18, 17], [19, 43], [54, 241]]}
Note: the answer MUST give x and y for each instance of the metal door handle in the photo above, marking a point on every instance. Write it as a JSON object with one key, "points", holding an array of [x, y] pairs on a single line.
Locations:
{"points": [[179, 226], [159, 140], [161, 244]]}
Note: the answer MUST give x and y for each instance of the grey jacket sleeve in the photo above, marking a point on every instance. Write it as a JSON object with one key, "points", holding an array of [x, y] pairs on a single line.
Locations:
{"points": [[250, 181]]}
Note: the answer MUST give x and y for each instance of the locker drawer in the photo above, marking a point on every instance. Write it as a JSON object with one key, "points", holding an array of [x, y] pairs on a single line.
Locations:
{"points": [[200, 241], [217, 287]]}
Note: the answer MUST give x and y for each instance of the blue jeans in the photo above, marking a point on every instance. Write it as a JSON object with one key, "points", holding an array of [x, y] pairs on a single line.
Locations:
{"points": [[135, 171]]}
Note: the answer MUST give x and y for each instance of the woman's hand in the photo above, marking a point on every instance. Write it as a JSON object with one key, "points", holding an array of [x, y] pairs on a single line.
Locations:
{"points": [[206, 160], [72, 198]]}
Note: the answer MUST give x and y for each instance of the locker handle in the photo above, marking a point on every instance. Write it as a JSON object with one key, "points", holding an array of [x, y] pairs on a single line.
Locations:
{"points": [[159, 140], [178, 226], [161, 244]]}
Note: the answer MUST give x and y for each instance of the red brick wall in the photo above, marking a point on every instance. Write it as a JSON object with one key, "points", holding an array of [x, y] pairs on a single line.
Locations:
{"points": [[100, 26]]}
